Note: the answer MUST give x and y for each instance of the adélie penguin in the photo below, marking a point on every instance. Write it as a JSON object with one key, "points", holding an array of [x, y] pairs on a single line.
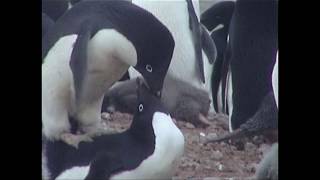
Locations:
{"points": [[87, 50], [149, 149], [252, 50]]}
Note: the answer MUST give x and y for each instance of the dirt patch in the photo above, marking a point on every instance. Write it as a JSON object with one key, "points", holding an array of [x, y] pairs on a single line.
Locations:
{"points": [[225, 160]]}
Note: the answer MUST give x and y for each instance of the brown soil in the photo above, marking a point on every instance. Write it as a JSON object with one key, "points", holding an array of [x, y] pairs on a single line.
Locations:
{"points": [[225, 160]]}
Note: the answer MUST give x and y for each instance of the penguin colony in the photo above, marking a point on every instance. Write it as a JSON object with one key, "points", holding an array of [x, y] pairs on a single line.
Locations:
{"points": [[154, 59]]}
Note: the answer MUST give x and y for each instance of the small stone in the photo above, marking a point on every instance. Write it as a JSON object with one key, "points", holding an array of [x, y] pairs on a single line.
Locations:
{"points": [[211, 178], [264, 148], [190, 126], [212, 135], [217, 155], [105, 116], [249, 146], [257, 139]]}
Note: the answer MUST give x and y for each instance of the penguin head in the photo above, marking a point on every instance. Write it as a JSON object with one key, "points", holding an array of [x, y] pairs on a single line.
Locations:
{"points": [[148, 102], [154, 66]]}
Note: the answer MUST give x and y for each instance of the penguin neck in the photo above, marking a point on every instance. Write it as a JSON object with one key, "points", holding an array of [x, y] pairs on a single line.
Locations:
{"points": [[142, 130]]}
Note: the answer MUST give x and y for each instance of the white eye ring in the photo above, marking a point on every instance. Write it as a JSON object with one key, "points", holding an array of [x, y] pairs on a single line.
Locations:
{"points": [[149, 68], [140, 107]]}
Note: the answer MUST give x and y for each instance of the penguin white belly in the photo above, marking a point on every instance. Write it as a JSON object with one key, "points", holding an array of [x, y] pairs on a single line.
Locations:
{"points": [[275, 80], [76, 173], [109, 56], [169, 147], [56, 84]]}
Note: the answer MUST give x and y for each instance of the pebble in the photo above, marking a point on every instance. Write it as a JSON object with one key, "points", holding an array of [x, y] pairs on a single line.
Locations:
{"points": [[220, 167], [212, 135], [258, 139], [217, 155], [190, 126], [249, 146], [105, 116], [212, 178], [264, 148]]}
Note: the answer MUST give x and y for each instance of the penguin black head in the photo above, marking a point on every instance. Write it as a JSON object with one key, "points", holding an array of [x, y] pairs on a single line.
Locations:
{"points": [[148, 102], [154, 65]]}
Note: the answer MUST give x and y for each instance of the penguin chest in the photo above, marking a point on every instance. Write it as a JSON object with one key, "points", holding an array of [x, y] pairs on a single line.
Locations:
{"points": [[169, 147], [109, 56]]}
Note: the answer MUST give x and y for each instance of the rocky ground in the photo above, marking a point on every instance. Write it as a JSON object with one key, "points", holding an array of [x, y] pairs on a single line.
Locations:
{"points": [[225, 160]]}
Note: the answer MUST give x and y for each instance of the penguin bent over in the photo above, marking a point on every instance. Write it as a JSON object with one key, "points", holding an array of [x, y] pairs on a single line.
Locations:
{"points": [[149, 149], [91, 47]]}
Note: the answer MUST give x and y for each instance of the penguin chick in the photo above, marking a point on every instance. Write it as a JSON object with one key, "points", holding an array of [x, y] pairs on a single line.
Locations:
{"points": [[268, 167], [183, 101]]}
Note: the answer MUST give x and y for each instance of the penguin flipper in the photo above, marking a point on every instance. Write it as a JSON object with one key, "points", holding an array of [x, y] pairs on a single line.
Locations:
{"points": [[215, 81], [78, 61], [208, 44], [104, 165], [196, 36]]}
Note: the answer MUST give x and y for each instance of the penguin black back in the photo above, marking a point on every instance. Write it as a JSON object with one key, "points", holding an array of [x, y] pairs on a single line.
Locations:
{"points": [[253, 45], [54, 8]]}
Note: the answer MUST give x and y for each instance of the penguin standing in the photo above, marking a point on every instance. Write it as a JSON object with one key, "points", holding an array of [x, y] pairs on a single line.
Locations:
{"points": [[141, 152], [251, 56], [89, 48], [194, 50]]}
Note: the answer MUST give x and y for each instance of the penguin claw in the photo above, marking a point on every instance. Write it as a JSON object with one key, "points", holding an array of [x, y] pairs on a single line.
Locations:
{"points": [[74, 140], [203, 119]]}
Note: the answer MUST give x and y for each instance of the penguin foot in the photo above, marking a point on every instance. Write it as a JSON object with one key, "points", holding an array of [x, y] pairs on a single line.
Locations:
{"points": [[101, 130], [74, 140], [203, 120]]}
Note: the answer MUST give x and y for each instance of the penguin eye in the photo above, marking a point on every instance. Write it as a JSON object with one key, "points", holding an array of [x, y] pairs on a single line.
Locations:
{"points": [[140, 107], [149, 68]]}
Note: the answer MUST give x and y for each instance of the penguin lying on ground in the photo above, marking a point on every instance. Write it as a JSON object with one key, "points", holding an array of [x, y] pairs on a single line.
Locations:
{"points": [[149, 149], [268, 168], [89, 48], [194, 50], [47, 23], [185, 103], [251, 56], [217, 20]]}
